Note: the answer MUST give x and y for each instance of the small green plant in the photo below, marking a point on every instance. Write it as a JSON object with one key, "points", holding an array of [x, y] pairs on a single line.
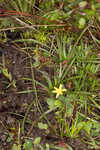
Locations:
{"points": [[5, 72], [35, 144]]}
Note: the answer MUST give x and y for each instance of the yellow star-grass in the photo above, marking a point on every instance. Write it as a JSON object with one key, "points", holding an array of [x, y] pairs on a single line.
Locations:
{"points": [[59, 91]]}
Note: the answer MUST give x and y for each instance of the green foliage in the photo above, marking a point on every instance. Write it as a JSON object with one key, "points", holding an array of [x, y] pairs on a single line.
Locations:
{"points": [[3, 37], [19, 5], [81, 23], [37, 140], [52, 103], [4, 71], [42, 126], [6, 74], [28, 145], [16, 147], [41, 37]]}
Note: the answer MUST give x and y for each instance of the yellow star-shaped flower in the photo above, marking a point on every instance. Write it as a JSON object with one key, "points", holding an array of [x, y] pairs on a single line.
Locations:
{"points": [[59, 91]]}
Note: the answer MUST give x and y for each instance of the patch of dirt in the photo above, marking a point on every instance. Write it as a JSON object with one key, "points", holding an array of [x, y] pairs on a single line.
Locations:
{"points": [[13, 106]]}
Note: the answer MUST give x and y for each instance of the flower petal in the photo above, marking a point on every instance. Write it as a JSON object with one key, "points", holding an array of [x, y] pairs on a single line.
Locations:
{"points": [[54, 91]]}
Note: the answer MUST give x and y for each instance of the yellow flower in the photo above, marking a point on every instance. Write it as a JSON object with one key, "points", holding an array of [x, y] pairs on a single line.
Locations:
{"points": [[59, 91]]}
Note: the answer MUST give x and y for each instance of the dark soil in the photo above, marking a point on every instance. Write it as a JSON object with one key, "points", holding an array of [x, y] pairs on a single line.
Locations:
{"points": [[13, 106]]}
